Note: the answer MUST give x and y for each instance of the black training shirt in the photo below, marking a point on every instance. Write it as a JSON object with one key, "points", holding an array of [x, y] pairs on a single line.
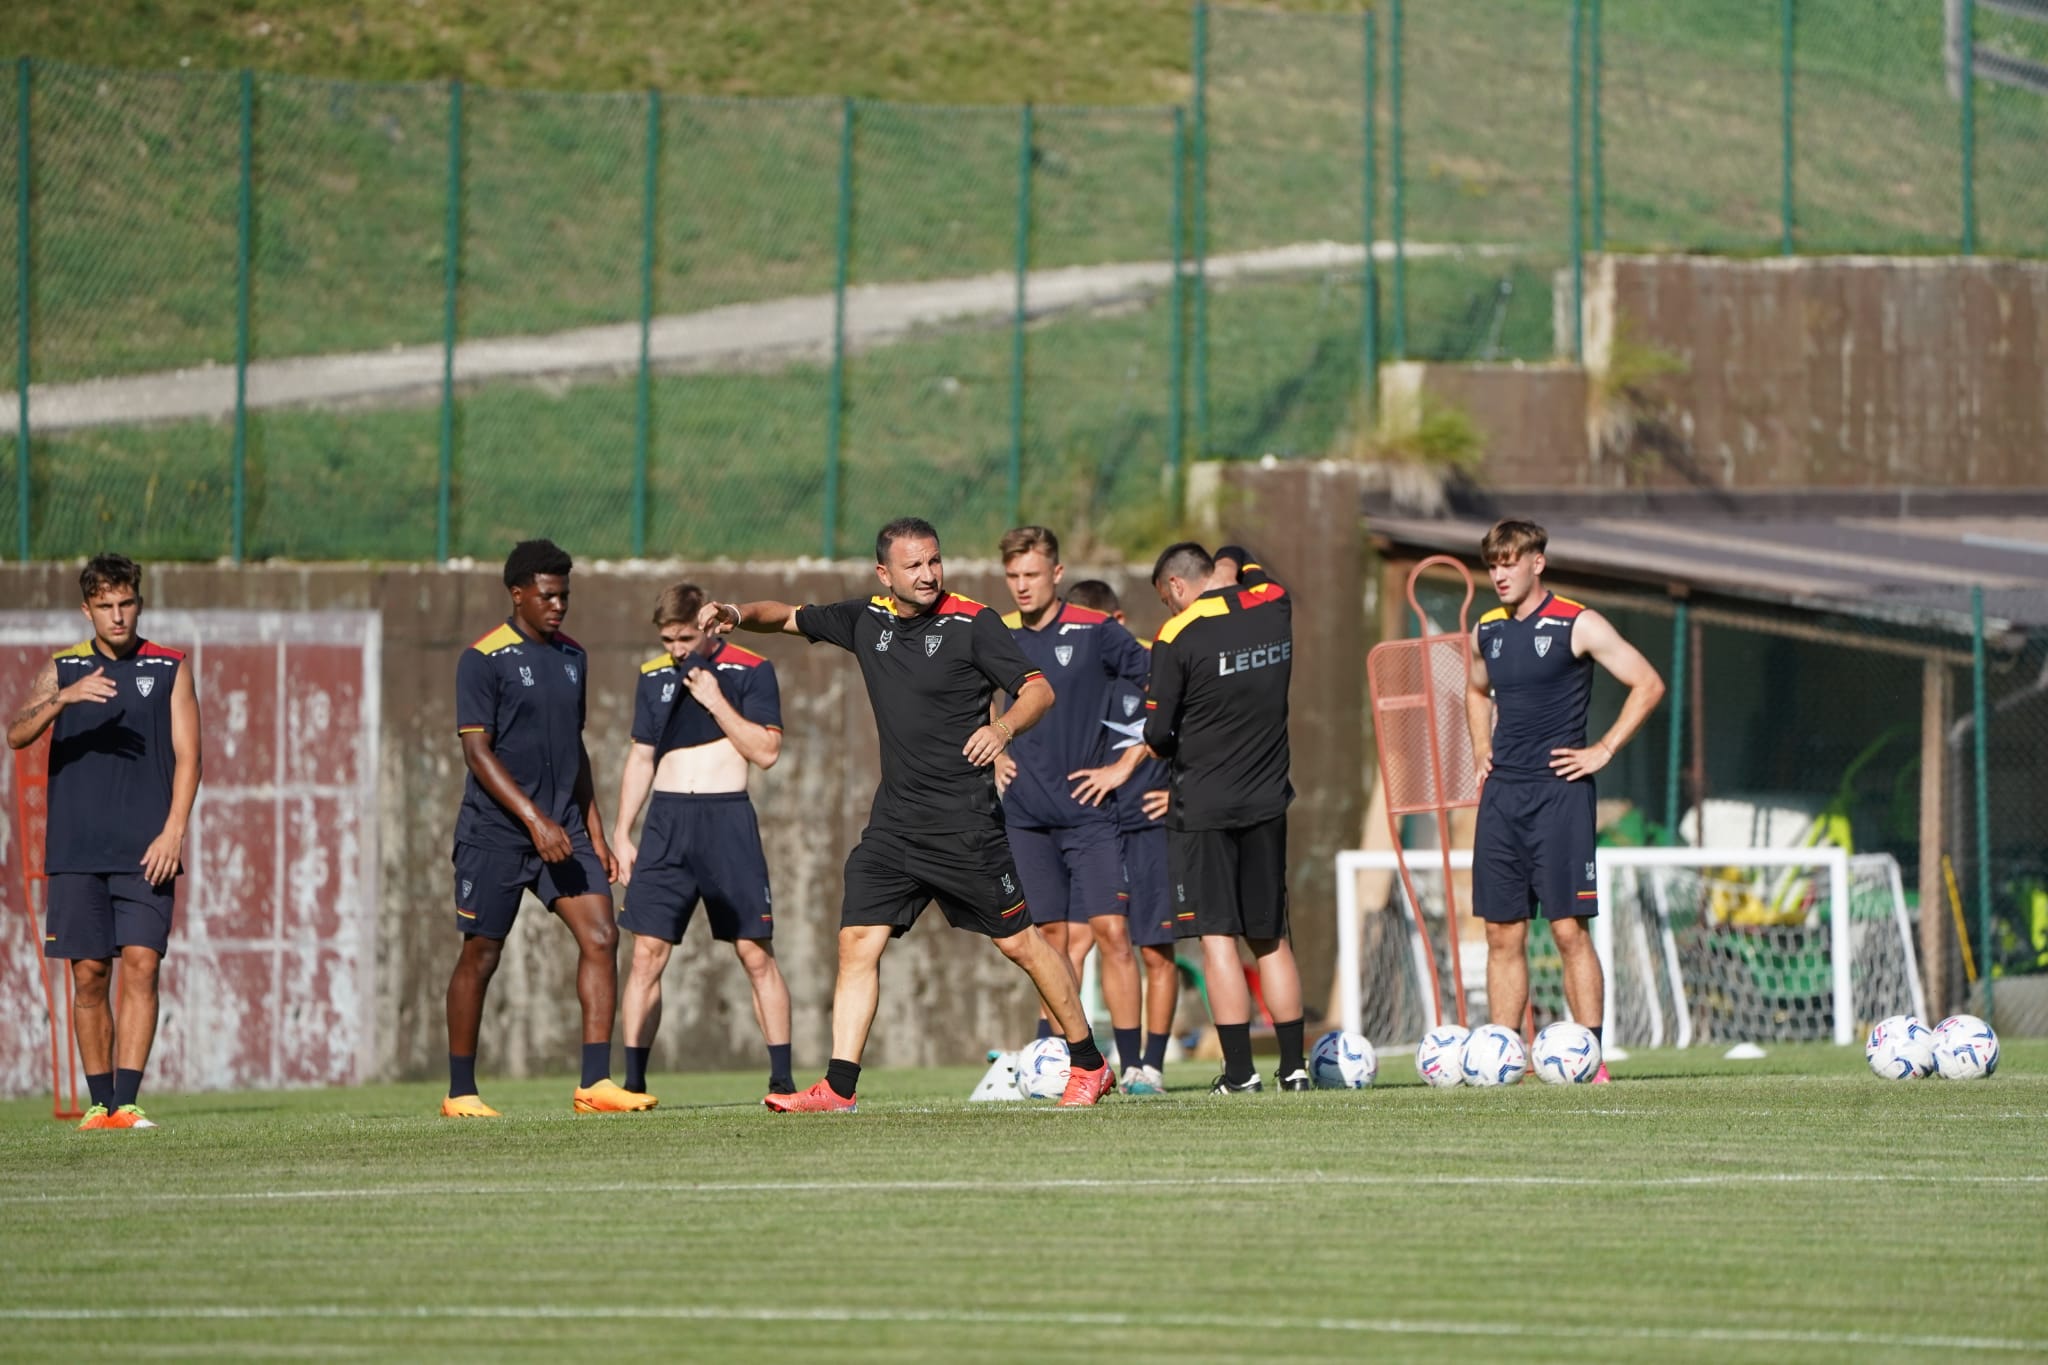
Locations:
{"points": [[1217, 707], [929, 679]]}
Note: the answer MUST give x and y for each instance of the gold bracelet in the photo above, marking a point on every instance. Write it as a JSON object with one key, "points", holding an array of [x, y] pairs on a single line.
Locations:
{"points": [[1008, 737]]}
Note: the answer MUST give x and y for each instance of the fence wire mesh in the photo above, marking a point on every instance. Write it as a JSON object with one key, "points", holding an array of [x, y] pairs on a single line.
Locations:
{"points": [[1738, 125]]}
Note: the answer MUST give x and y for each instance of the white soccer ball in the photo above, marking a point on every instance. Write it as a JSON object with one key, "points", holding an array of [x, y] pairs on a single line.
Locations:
{"points": [[1042, 1069], [1343, 1061], [1494, 1056], [1900, 1048], [1566, 1053], [1441, 1055], [1965, 1048]]}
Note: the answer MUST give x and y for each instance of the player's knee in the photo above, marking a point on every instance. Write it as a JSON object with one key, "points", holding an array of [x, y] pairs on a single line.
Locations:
{"points": [[1017, 947], [599, 938], [139, 969], [650, 956], [480, 955], [89, 982], [758, 959]]}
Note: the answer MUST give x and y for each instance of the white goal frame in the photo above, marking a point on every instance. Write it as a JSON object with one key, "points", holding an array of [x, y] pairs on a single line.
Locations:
{"points": [[1609, 861]]}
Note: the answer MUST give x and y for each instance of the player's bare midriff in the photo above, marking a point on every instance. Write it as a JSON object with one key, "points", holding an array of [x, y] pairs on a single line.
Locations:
{"points": [[702, 770]]}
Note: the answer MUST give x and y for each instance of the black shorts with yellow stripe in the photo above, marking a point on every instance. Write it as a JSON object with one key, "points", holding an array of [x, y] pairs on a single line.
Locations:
{"points": [[892, 876]]}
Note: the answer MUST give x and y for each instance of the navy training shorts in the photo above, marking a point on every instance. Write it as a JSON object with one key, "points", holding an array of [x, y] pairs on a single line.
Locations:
{"points": [[1076, 873], [700, 847], [489, 883], [91, 916], [1534, 847], [1149, 902]]}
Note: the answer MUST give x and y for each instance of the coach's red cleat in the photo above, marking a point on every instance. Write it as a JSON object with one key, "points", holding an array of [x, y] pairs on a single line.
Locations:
{"points": [[819, 1099], [1086, 1087]]}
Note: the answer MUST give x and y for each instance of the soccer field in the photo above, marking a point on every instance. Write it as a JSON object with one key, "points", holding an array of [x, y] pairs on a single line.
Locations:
{"points": [[1697, 1209]]}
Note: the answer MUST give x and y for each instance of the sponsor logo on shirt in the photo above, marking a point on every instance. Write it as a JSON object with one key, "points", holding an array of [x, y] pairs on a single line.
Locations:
{"points": [[1493, 648], [1066, 626], [1259, 656], [570, 669], [1543, 621], [525, 675], [668, 693], [882, 645]]}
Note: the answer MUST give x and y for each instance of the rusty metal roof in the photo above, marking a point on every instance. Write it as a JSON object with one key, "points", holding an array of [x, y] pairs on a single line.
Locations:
{"points": [[1909, 561]]}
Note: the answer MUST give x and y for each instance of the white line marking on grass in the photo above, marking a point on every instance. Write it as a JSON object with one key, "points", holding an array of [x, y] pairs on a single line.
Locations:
{"points": [[1305, 1179], [1150, 1322]]}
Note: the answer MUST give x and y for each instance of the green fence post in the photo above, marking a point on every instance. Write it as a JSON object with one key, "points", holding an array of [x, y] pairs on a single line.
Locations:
{"points": [[643, 400], [21, 309], [1369, 280], [1177, 359], [1201, 231], [1980, 714], [1400, 207], [1967, 43], [1016, 480], [1785, 25], [242, 192], [1594, 70], [842, 242], [451, 254], [1578, 234], [1674, 742]]}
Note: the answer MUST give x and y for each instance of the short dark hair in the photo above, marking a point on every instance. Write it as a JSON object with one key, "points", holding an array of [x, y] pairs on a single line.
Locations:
{"points": [[678, 605], [1095, 595], [1509, 540], [1183, 559], [104, 571], [903, 528], [1025, 539], [531, 558]]}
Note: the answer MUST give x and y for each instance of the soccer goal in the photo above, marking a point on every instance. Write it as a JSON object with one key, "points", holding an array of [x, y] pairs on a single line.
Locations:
{"points": [[1719, 945]]}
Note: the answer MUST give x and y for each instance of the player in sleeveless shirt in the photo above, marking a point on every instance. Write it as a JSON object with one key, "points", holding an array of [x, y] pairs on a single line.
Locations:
{"points": [[1531, 679], [705, 714], [124, 771], [931, 661]]}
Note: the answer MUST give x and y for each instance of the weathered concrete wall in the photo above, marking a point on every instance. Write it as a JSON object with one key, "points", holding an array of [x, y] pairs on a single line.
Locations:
{"points": [[1531, 418], [1834, 372], [945, 995]]}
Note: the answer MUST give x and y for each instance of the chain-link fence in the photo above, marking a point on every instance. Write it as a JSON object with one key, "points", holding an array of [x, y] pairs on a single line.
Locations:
{"points": [[271, 316]]}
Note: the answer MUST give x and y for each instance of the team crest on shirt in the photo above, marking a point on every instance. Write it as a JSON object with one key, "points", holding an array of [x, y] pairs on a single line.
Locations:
{"points": [[1543, 645], [882, 645], [525, 675], [570, 669], [1131, 704], [668, 693], [1493, 648], [931, 644], [145, 685], [1064, 653]]}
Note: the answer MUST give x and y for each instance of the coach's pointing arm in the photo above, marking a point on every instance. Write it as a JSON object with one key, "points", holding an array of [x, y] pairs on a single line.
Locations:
{"points": [[760, 618]]}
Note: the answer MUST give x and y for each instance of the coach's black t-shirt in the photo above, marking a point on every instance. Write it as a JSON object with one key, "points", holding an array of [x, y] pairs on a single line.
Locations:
{"points": [[929, 678], [111, 762], [1540, 688], [666, 716], [1217, 706], [526, 694]]}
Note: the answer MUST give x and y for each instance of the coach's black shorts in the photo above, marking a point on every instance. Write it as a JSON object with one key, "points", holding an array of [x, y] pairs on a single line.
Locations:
{"points": [[1534, 847], [490, 881], [700, 846], [891, 877], [1076, 873], [1229, 881], [91, 916], [1149, 903]]}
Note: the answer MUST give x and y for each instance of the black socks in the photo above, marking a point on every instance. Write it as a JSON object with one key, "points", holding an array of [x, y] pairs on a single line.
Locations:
{"points": [[127, 1085], [597, 1062], [1155, 1051], [636, 1069], [779, 1078], [1084, 1055], [1237, 1051], [1289, 1037], [1127, 1048], [842, 1076]]}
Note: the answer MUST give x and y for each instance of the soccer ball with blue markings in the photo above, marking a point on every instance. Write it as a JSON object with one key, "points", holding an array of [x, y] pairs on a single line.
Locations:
{"points": [[1343, 1061], [1440, 1058], [1042, 1069], [1965, 1048], [1900, 1048], [1494, 1056], [1566, 1054]]}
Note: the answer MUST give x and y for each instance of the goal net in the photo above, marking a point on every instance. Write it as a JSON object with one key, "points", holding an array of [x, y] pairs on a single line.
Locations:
{"points": [[1698, 945]]}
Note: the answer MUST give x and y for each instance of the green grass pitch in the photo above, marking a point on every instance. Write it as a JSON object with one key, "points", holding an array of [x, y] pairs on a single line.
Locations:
{"points": [[1697, 1209]]}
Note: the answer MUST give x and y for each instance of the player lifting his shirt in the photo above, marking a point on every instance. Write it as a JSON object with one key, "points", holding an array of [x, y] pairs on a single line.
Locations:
{"points": [[1531, 679], [931, 660], [706, 713]]}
